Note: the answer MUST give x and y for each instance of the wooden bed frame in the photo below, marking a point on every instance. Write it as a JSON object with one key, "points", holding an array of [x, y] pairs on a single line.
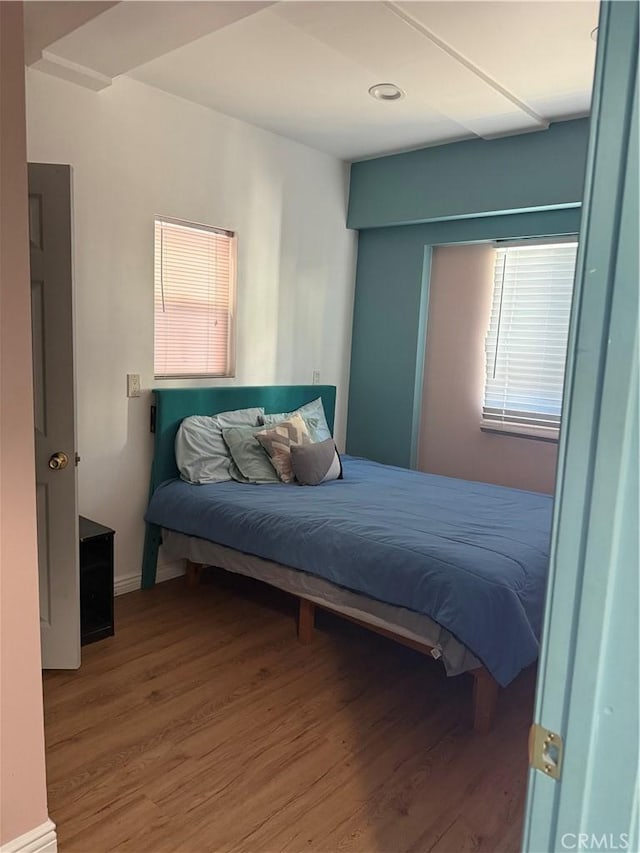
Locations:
{"points": [[172, 405], [485, 687]]}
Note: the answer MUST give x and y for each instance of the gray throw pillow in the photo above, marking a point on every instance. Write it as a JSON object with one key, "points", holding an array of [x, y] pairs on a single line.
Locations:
{"points": [[313, 415], [313, 464], [250, 463], [201, 453]]}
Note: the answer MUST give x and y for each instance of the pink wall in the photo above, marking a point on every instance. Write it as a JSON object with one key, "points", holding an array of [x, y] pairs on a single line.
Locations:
{"points": [[23, 798], [451, 442]]}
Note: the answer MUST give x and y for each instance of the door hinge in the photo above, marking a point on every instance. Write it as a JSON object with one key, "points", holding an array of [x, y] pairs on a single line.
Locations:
{"points": [[545, 751], [77, 459]]}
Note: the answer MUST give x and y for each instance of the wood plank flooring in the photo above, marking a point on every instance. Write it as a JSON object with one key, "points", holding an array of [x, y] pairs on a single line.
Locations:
{"points": [[204, 725]]}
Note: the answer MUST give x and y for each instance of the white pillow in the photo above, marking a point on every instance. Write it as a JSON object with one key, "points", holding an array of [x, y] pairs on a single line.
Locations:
{"points": [[201, 453]]}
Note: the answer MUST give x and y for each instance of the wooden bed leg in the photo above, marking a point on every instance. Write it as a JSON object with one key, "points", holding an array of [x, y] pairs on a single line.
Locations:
{"points": [[194, 573], [485, 700], [306, 618]]}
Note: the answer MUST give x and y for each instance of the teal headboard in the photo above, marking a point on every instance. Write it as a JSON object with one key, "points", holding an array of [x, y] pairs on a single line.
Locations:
{"points": [[172, 405]]}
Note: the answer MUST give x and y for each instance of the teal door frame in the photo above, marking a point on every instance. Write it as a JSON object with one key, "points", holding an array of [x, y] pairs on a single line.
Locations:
{"points": [[588, 682]]}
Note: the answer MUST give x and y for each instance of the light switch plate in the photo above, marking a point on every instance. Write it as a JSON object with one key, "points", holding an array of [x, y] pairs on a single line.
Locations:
{"points": [[316, 377], [133, 384]]}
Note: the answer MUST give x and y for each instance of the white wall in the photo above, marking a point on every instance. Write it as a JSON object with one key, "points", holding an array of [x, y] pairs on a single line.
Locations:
{"points": [[137, 152]]}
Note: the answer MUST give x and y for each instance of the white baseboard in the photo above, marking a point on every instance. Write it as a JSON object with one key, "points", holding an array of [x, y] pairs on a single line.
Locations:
{"points": [[42, 839], [129, 583]]}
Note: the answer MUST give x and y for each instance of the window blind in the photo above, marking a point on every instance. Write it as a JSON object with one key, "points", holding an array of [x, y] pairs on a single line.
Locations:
{"points": [[194, 293], [526, 342]]}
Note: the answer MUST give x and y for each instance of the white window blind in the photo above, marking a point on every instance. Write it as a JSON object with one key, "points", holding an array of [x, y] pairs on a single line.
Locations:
{"points": [[194, 300], [526, 342]]}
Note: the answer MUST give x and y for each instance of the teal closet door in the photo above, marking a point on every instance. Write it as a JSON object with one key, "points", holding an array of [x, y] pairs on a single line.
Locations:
{"points": [[588, 682]]}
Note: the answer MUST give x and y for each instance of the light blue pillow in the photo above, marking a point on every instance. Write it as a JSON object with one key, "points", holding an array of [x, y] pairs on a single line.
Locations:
{"points": [[249, 461], [201, 453], [312, 414]]}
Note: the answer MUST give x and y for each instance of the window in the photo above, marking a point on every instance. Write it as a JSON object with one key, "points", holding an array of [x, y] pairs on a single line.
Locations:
{"points": [[194, 300], [527, 339]]}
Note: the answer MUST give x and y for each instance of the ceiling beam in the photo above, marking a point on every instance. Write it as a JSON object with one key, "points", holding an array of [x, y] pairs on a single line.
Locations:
{"points": [[411, 21]]}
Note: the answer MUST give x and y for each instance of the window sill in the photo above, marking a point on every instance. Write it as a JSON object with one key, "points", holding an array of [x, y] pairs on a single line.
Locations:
{"points": [[165, 378], [520, 431]]}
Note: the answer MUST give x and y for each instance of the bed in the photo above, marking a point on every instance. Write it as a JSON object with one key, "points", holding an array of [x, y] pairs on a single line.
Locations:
{"points": [[454, 569]]}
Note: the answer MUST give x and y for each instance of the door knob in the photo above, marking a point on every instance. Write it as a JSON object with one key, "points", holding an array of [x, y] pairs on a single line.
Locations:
{"points": [[58, 461]]}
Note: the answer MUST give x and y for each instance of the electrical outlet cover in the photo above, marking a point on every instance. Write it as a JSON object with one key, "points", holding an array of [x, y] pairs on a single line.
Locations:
{"points": [[133, 384]]}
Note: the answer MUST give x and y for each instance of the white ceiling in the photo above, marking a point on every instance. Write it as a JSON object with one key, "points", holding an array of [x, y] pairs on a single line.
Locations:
{"points": [[302, 69], [45, 22]]}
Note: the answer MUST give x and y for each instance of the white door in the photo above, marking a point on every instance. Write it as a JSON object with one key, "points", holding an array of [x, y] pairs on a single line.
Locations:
{"points": [[54, 413]]}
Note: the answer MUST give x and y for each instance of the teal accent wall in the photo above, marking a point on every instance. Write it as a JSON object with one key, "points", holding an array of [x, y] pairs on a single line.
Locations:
{"points": [[404, 205], [389, 323], [389, 310], [533, 171]]}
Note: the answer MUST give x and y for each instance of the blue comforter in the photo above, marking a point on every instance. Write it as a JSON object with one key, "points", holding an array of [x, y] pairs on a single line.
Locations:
{"points": [[471, 556]]}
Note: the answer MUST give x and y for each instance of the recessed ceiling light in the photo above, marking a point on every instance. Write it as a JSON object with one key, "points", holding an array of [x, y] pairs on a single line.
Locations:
{"points": [[594, 34], [386, 92]]}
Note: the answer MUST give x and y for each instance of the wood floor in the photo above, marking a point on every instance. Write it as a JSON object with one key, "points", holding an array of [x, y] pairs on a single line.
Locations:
{"points": [[204, 726]]}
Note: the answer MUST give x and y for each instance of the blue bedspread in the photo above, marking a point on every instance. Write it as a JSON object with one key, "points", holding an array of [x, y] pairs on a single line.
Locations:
{"points": [[471, 556]]}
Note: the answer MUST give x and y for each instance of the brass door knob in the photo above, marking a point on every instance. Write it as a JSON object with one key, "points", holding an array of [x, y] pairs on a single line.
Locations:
{"points": [[58, 461]]}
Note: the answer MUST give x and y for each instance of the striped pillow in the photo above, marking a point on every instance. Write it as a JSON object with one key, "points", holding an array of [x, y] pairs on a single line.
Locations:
{"points": [[278, 442]]}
